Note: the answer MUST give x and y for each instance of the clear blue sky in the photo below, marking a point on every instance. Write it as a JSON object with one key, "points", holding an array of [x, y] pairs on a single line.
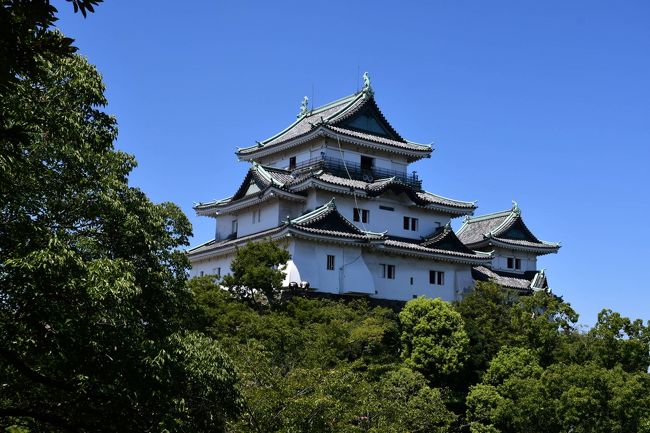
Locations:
{"points": [[547, 103]]}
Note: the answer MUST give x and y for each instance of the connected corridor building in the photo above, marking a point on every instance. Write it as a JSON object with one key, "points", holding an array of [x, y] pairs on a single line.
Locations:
{"points": [[334, 188]]}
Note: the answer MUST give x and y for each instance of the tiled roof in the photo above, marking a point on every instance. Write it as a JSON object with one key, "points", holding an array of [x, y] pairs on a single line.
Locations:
{"points": [[265, 177], [445, 238], [217, 244], [526, 282], [505, 227], [413, 246], [332, 117], [379, 186]]}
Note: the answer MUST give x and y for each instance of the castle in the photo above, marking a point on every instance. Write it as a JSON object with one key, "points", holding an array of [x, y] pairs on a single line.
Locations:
{"points": [[334, 187]]}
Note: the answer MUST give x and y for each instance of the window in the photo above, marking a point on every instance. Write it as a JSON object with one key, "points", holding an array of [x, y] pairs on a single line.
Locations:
{"points": [[411, 281], [362, 215], [514, 263], [201, 273], [330, 262], [257, 215], [367, 163], [216, 271], [410, 224], [234, 226], [437, 278], [387, 208], [388, 271], [292, 162]]}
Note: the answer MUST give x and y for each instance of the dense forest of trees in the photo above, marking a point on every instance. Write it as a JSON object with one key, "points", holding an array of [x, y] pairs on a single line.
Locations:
{"points": [[100, 330]]}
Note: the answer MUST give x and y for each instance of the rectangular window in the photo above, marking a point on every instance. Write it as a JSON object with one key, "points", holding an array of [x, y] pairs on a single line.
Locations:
{"points": [[387, 208], [234, 226], [292, 162], [410, 224], [257, 215], [517, 263], [437, 278], [330, 262], [362, 215], [387, 271], [367, 163], [511, 263]]}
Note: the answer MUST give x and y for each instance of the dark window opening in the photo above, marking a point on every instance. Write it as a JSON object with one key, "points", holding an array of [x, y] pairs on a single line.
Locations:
{"points": [[362, 215], [292, 162], [410, 224], [388, 271], [367, 163], [330, 262], [387, 208], [517, 263], [437, 278]]}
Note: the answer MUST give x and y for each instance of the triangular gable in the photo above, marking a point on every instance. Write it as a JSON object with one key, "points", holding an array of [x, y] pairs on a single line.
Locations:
{"points": [[333, 221], [250, 185], [368, 118], [518, 231], [446, 239]]}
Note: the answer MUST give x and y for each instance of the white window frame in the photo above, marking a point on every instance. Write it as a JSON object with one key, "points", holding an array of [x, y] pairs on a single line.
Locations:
{"points": [[387, 271], [330, 264], [360, 215], [412, 223], [438, 277]]}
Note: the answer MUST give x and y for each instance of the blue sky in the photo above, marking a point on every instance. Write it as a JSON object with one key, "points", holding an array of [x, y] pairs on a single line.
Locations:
{"points": [[547, 103]]}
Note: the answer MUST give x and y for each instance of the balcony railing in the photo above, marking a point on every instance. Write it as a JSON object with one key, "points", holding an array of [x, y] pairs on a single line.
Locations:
{"points": [[340, 168]]}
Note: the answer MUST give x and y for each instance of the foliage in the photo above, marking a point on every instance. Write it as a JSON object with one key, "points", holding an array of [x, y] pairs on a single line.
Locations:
{"points": [[94, 306], [433, 338], [519, 395], [24, 36], [257, 273]]}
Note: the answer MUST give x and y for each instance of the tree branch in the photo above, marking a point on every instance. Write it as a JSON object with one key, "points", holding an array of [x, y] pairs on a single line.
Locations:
{"points": [[15, 361], [45, 417]]}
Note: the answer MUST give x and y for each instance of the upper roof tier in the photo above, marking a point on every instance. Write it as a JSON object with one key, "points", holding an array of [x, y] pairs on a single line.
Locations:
{"points": [[503, 229], [354, 119]]}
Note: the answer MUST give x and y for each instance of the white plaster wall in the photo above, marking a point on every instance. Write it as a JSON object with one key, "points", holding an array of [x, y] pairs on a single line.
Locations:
{"points": [[400, 288], [350, 273], [270, 214], [291, 208], [210, 266], [500, 260], [358, 271], [393, 221], [331, 149]]}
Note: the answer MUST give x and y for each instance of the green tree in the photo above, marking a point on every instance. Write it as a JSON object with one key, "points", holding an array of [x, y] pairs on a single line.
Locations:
{"points": [[517, 395], [257, 273], [617, 340], [486, 314], [434, 340], [94, 306]]}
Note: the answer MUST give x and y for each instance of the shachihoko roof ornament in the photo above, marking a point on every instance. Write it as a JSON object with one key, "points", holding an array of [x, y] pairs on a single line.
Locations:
{"points": [[303, 107], [367, 88]]}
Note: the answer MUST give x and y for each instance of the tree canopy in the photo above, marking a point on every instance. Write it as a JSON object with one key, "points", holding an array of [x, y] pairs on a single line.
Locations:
{"points": [[93, 300]]}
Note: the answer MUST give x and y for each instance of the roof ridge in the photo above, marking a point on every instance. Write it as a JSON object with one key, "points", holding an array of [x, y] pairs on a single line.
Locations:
{"points": [[334, 103], [449, 198], [319, 210]]}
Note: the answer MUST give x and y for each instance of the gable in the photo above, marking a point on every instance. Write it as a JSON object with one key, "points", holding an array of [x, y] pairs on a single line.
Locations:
{"points": [[370, 120], [518, 232]]}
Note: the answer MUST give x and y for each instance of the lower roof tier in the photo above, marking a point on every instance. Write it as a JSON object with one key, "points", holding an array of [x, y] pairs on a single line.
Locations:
{"points": [[528, 282]]}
